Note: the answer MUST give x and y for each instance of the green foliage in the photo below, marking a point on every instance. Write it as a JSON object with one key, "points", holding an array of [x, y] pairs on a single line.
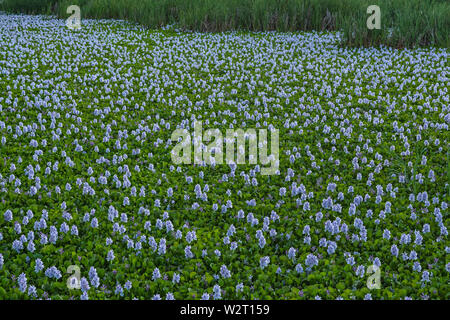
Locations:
{"points": [[28, 6]]}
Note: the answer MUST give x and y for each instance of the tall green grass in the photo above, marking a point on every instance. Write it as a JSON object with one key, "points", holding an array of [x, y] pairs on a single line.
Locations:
{"points": [[29, 6], [405, 23]]}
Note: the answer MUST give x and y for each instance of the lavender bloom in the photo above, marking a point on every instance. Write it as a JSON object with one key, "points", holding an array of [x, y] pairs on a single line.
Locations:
{"points": [[84, 285], [291, 253], [205, 296], [311, 260], [394, 250], [53, 272], [95, 281], [264, 262], [94, 223], [188, 253], [332, 246], [417, 267], [169, 296], [32, 291], [110, 256], [425, 276], [17, 245], [22, 281], [191, 236], [119, 290], [17, 228], [30, 246], [360, 271], [217, 292], [175, 278], [225, 272], [39, 266], [8, 215], [74, 230], [156, 274], [377, 262], [162, 246]]}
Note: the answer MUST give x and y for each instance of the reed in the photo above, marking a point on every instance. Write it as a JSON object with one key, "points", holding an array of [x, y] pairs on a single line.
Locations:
{"points": [[405, 23]]}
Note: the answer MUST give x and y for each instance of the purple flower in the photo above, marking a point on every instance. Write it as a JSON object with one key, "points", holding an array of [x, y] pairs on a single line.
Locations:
{"points": [[22, 280], [110, 256], [119, 290], [225, 272], [156, 274], [311, 260], [264, 262], [217, 292], [8, 215], [394, 250]]}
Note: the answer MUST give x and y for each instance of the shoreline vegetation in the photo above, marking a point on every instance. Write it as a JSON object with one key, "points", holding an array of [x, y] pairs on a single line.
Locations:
{"points": [[404, 23]]}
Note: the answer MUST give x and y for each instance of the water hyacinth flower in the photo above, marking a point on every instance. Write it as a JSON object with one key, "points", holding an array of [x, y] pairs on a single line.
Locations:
{"points": [[32, 291], [156, 274], [94, 223], [170, 296], [175, 278], [225, 272], [264, 262], [311, 261], [119, 290], [217, 294], [291, 253], [22, 281], [110, 256], [425, 276], [205, 296], [17, 245], [394, 250], [53, 272], [74, 230], [39, 265], [95, 280], [84, 285], [8, 216], [188, 253]]}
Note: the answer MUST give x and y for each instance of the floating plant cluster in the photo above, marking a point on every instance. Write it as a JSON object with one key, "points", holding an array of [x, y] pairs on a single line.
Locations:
{"points": [[87, 182]]}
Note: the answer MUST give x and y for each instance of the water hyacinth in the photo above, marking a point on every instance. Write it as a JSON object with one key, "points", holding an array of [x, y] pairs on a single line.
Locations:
{"points": [[311, 260], [87, 176], [22, 281]]}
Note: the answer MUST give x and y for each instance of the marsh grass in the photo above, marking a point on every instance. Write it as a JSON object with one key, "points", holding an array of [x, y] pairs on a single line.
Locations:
{"points": [[405, 23]]}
